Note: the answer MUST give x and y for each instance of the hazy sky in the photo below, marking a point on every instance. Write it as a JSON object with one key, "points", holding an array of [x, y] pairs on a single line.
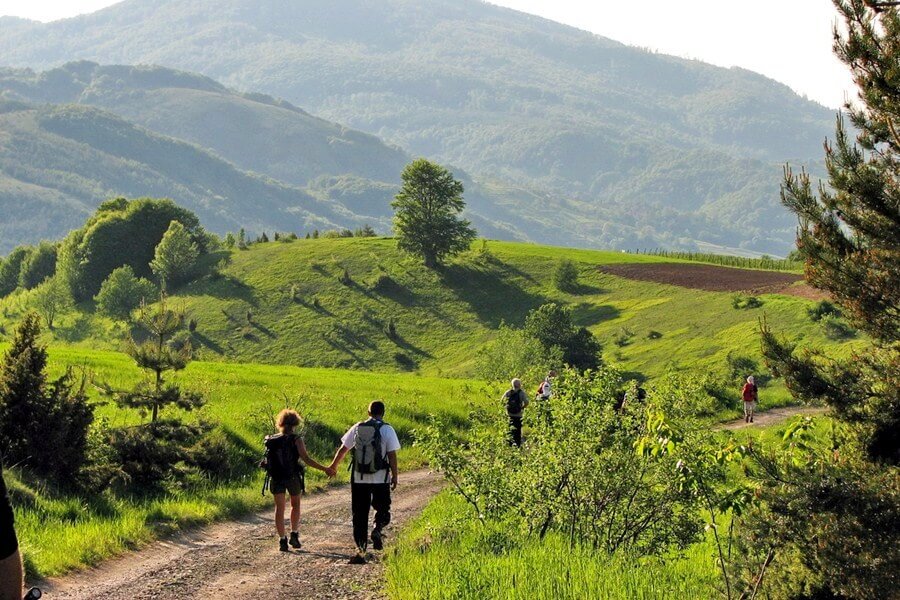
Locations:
{"points": [[787, 40]]}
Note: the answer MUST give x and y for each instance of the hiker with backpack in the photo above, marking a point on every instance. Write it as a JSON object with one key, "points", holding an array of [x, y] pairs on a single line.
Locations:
{"points": [[515, 399], [545, 390], [750, 394], [285, 473], [373, 475]]}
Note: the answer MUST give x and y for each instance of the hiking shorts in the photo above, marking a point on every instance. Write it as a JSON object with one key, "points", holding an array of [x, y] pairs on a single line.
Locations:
{"points": [[292, 486]]}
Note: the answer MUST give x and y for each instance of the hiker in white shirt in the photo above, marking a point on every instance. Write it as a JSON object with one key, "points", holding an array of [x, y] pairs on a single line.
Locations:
{"points": [[374, 464]]}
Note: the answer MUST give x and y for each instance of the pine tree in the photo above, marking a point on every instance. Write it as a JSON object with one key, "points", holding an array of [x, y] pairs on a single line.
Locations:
{"points": [[426, 209], [830, 517]]}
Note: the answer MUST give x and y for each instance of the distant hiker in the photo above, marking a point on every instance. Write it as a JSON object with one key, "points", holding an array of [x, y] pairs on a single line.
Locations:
{"points": [[545, 390], [284, 473], [373, 475], [750, 393], [10, 561], [515, 399]]}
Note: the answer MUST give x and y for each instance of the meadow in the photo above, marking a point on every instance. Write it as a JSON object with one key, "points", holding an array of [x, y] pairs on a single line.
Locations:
{"points": [[60, 532]]}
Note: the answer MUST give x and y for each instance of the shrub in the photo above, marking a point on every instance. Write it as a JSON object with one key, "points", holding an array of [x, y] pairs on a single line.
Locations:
{"points": [[551, 324], [623, 337], [148, 454], [654, 335], [122, 292], [514, 354], [565, 277], [345, 278], [822, 309], [38, 265], [175, 259], [740, 301], [51, 299]]}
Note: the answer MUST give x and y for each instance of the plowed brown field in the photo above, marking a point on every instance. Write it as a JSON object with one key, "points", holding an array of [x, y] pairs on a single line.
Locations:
{"points": [[713, 278]]}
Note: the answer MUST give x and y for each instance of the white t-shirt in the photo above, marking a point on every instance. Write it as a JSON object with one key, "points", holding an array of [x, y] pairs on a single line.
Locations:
{"points": [[389, 443]]}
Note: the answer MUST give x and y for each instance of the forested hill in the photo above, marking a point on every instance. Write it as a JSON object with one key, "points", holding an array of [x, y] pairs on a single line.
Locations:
{"points": [[673, 150], [58, 162]]}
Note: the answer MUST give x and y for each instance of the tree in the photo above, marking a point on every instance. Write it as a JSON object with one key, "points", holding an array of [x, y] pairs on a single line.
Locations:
{"points": [[176, 255], [230, 241], [11, 268], [38, 265], [831, 514], [122, 293], [52, 298], [426, 221], [565, 277], [43, 426], [551, 324], [158, 356]]}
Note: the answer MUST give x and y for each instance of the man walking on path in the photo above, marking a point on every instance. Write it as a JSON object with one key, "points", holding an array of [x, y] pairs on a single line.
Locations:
{"points": [[750, 394], [515, 400], [374, 474]]}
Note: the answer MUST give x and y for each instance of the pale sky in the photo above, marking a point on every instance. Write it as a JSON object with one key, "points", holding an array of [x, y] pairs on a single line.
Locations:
{"points": [[787, 40]]}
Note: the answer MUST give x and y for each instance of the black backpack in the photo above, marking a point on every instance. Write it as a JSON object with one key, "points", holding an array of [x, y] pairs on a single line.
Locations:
{"points": [[282, 459], [368, 451], [514, 403]]}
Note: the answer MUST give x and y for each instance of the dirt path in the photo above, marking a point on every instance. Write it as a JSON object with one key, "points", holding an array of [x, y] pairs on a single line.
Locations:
{"points": [[772, 416], [240, 559]]}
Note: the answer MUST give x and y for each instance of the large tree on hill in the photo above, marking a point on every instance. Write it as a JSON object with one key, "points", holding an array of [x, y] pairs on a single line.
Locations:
{"points": [[176, 255], [426, 220], [829, 522]]}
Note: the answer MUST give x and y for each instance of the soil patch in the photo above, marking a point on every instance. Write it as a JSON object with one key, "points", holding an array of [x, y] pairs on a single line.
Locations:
{"points": [[714, 278]]}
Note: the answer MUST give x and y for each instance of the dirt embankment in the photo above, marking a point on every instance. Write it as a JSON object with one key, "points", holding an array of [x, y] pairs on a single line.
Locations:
{"points": [[240, 559], [713, 278]]}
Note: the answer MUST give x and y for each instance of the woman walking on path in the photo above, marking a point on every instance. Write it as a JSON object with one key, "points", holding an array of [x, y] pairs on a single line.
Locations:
{"points": [[284, 451], [750, 394]]}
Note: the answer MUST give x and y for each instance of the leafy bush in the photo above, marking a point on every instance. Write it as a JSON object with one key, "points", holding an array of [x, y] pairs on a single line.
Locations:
{"points": [[38, 265], [122, 292], [551, 324], [51, 299], [821, 309], [514, 354], [175, 258], [623, 337], [578, 473], [10, 269], [740, 301], [149, 454], [654, 335], [565, 277]]}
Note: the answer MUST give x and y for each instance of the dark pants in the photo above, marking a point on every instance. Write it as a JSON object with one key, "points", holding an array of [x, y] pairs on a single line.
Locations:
{"points": [[364, 495], [515, 431]]}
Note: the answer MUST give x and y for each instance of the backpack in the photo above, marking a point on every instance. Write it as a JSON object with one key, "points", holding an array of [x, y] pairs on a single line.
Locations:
{"points": [[368, 451], [749, 392], [282, 459], [514, 404]]}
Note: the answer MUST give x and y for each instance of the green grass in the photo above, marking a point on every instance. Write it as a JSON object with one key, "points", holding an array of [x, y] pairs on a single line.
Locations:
{"points": [[443, 317], [446, 554], [59, 533]]}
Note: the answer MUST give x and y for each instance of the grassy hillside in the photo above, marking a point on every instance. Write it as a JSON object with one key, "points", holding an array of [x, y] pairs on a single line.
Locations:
{"points": [[676, 149], [58, 162], [301, 313], [60, 533]]}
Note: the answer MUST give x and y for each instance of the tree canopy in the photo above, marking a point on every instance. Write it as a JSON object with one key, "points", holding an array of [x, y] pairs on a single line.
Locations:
{"points": [[427, 207]]}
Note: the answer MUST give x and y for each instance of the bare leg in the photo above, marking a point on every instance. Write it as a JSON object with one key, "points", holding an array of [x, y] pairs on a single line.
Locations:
{"points": [[279, 514], [295, 513]]}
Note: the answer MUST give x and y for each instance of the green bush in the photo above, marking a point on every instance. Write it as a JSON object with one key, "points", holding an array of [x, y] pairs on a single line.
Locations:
{"points": [[39, 265], [821, 309], [551, 324], [565, 277], [742, 302], [514, 354], [122, 292]]}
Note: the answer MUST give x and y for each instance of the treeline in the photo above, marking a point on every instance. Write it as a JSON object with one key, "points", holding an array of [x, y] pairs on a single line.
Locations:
{"points": [[765, 263], [242, 240]]}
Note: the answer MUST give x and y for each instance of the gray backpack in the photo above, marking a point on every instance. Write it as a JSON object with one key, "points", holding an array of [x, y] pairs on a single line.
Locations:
{"points": [[368, 452]]}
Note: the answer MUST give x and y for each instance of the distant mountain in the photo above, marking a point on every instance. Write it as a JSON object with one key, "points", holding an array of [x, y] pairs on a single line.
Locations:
{"points": [[58, 162], [634, 145]]}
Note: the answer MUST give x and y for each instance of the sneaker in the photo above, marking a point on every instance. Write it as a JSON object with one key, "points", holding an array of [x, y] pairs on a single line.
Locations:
{"points": [[377, 539], [359, 558], [751, 419], [283, 544], [295, 540]]}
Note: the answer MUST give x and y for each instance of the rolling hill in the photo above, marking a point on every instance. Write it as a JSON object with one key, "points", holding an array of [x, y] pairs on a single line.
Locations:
{"points": [[58, 162], [666, 150]]}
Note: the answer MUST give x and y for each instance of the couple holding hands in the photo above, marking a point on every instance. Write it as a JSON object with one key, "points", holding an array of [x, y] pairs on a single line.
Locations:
{"points": [[374, 445]]}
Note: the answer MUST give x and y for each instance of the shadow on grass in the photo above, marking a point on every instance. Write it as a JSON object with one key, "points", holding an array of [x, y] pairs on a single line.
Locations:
{"points": [[409, 347], [223, 287], [490, 293], [586, 314], [392, 290], [206, 342], [264, 330]]}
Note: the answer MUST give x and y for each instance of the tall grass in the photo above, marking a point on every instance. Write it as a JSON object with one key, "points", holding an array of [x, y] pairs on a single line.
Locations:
{"points": [[445, 555]]}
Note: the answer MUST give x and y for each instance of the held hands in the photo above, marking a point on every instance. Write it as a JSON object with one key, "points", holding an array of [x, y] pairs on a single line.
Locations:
{"points": [[331, 471]]}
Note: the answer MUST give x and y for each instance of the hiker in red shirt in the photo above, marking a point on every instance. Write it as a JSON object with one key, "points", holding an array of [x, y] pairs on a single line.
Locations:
{"points": [[750, 394]]}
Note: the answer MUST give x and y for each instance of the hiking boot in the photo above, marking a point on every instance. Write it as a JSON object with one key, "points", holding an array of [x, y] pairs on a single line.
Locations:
{"points": [[751, 419], [283, 544], [359, 558], [295, 540], [377, 539]]}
